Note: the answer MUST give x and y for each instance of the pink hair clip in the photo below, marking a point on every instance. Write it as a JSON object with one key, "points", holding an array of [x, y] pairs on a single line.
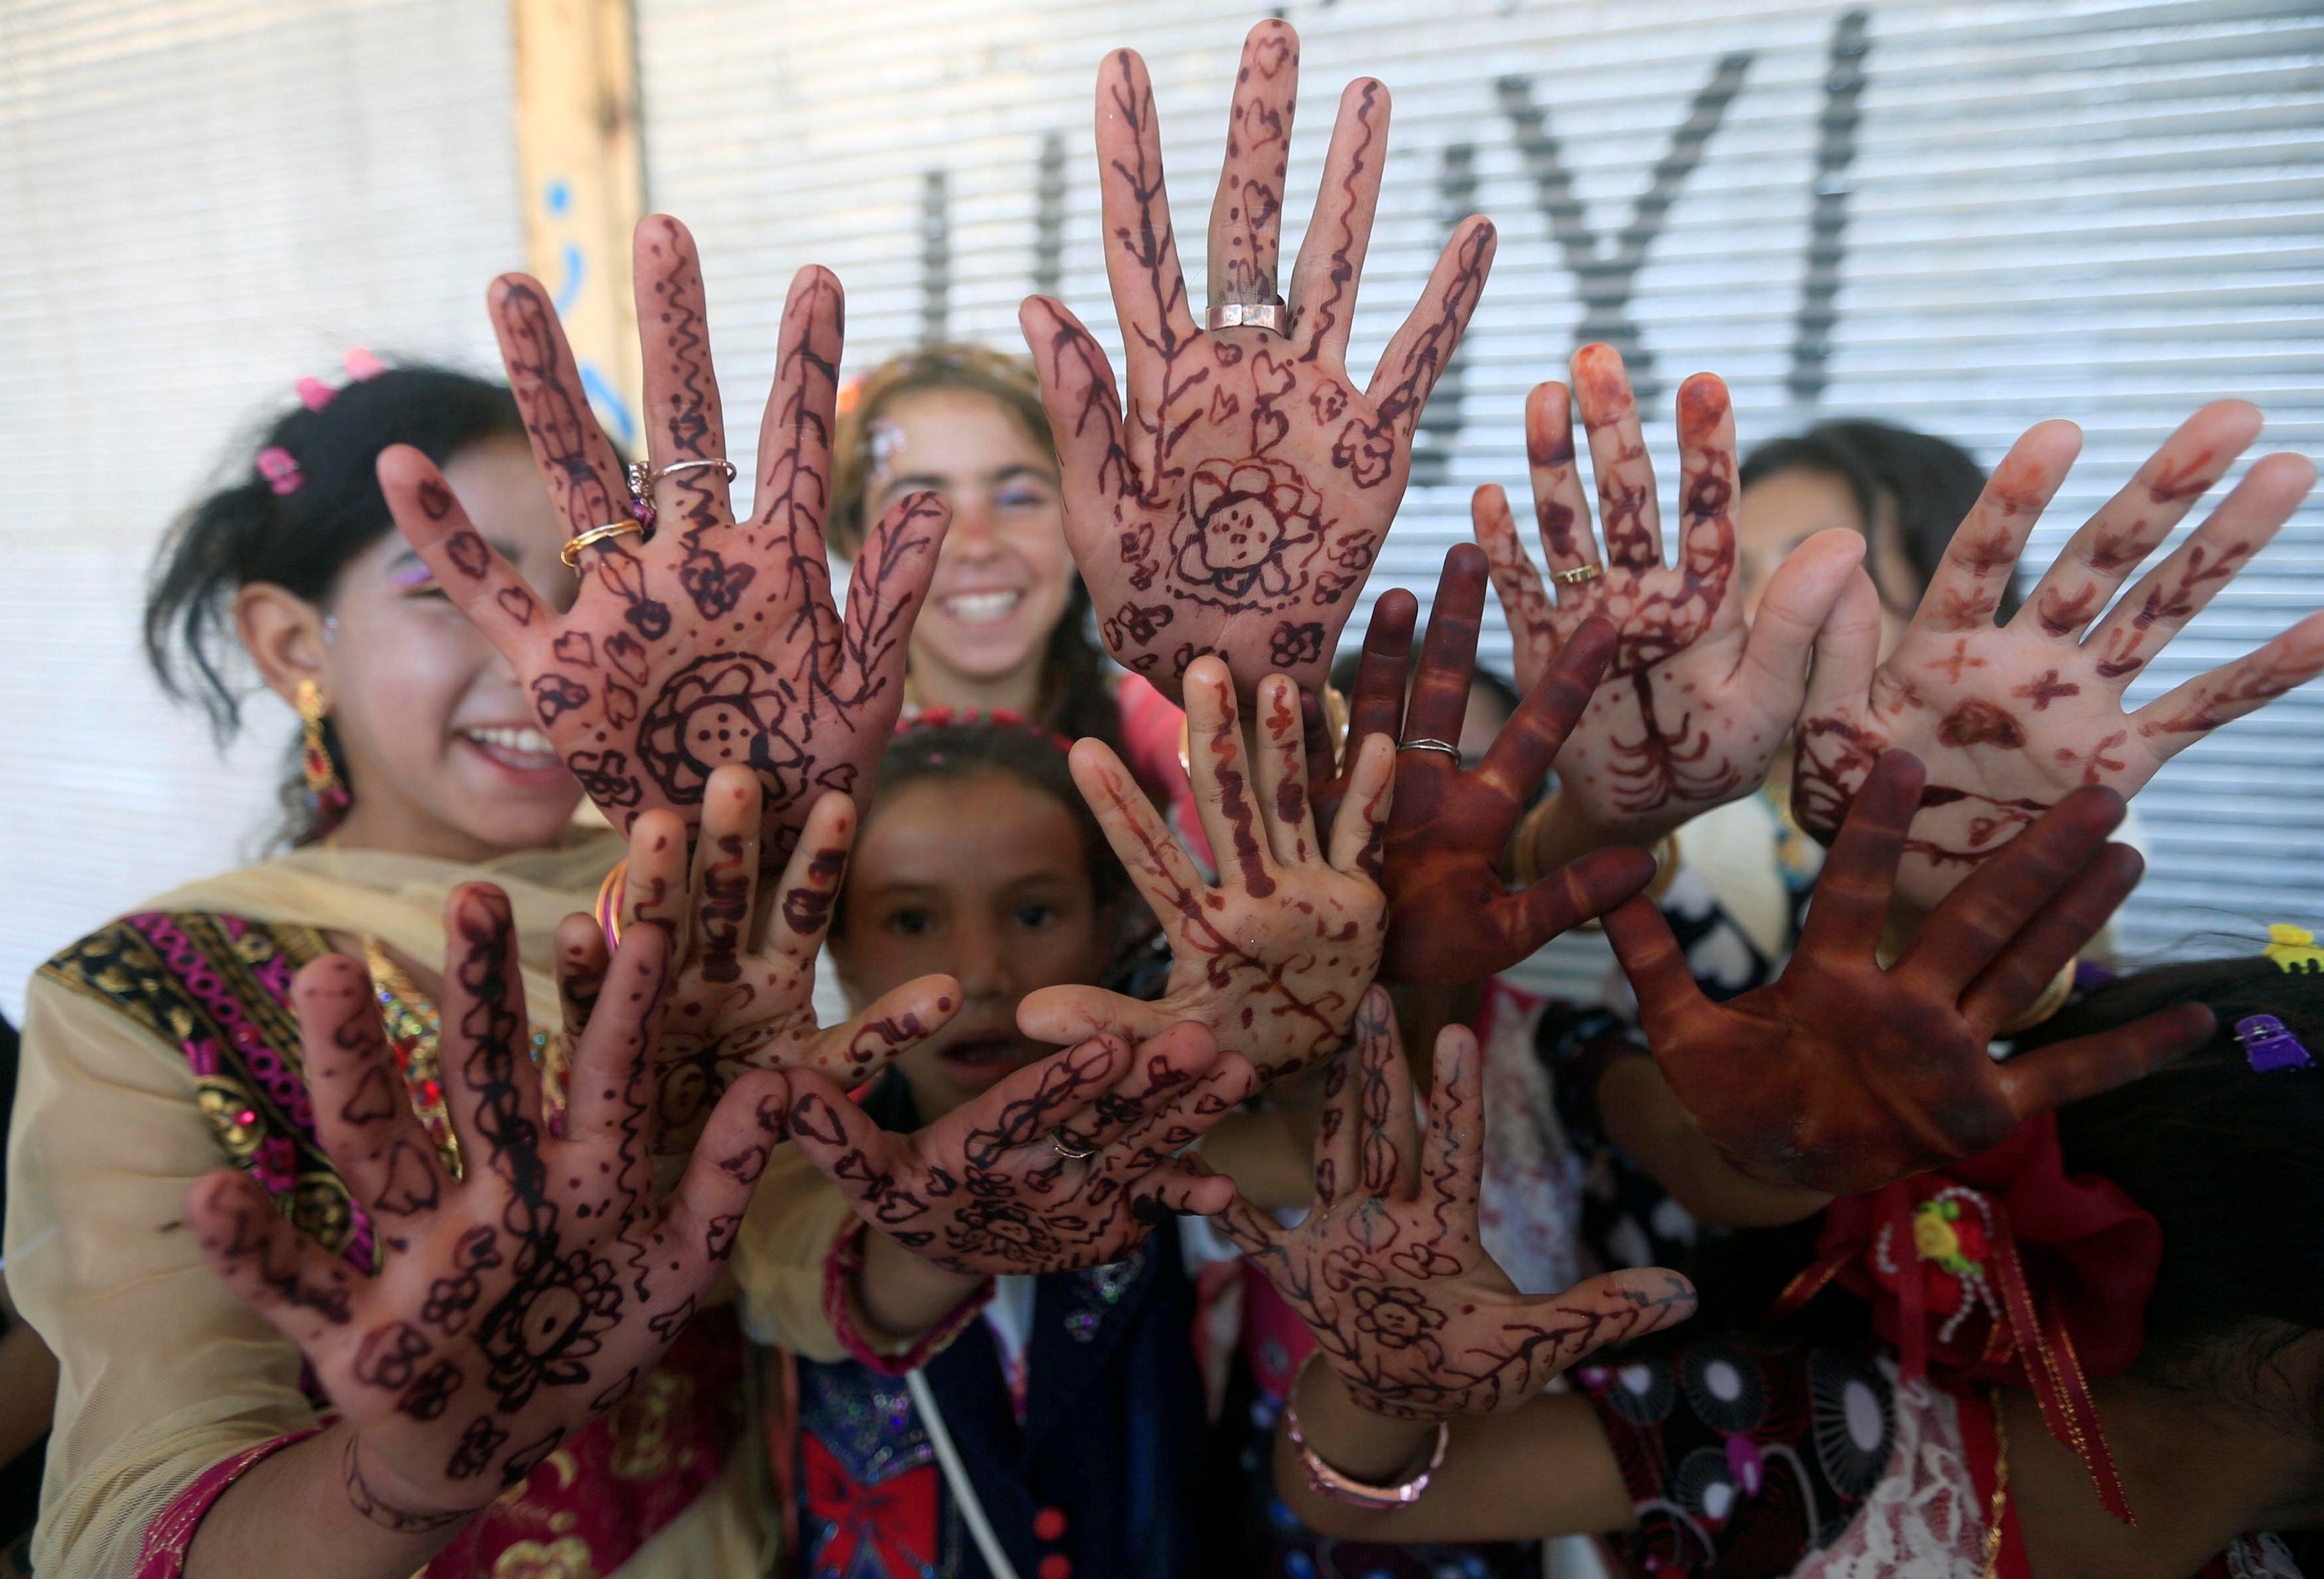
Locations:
{"points": [[281, 469], [360, 364]]}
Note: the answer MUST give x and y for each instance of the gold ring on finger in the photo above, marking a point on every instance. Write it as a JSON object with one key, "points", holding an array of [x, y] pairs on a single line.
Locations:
{"points": [[571, 552], [1578, 575]]}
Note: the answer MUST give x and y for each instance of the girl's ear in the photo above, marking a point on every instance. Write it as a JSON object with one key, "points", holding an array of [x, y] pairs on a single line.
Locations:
{"points": [[283, 634]]}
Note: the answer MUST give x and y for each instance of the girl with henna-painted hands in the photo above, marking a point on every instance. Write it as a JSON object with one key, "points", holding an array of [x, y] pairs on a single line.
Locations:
{"points": [[1235, 505], [515, 1300], [1274, 955], [1698, 700], [697, 638], [981, 1223], [1418, 1322], [2011, 719], [742, 965], [1843, 1075]]}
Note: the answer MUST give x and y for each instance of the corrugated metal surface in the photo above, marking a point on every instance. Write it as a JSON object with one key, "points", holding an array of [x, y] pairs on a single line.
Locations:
{"points": [[206, 198], [1963, 217]]}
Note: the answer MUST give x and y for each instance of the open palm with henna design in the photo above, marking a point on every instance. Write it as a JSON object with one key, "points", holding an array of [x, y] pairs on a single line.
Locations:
{"points": [[2010, 718], [515, 1303], [1842, 1076], [991, 1188], [1697, 701], [1387, 1269], [715, 640], [1452, 916], [1274, 957], [742, 983], [1235, 505]]}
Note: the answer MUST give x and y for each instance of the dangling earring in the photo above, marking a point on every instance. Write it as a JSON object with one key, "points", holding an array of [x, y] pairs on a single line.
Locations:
{"points": [[324, 788]]}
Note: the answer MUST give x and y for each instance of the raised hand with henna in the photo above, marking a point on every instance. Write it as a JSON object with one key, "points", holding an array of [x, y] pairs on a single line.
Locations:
{"points": [[2009, 719], [1451, 916], [515, 1303], [1697, 700], [1051, 1169], [1274, 957], [1235, 505], [1843, 1075], [742, 983], [1387, 1269], [709, 640]]}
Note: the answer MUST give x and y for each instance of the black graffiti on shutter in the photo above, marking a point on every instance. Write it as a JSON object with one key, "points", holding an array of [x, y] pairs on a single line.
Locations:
{"points": [[1440, 420], [1605, 281], [1050, 216], [935, 258], [1836, 129]]}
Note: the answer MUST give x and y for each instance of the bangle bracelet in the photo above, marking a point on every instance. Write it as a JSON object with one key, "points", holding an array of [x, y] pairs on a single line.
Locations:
{"points": [[1326, 1482]]}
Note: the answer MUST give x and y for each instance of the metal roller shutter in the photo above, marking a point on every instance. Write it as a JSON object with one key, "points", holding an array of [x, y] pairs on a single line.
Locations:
{"points": [[1962, 217], [206, 198]]}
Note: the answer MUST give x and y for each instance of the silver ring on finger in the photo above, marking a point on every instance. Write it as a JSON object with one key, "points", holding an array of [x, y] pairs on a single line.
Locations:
{"points": [[676, 466], [1057, 1140], [1425, 744], [1250, 315]]}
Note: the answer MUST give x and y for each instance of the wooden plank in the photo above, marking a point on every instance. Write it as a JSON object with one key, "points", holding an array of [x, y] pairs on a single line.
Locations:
{"points": [[578, 156]]}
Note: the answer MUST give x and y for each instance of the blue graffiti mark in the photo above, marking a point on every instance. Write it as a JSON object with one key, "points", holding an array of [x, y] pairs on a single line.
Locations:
{"points": [[569, 291], [557, 196], [609, 403]]}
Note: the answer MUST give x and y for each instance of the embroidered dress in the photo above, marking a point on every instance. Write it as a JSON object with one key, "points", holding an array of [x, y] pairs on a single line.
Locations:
{"points": [[1072, 1398], [162, 1047], [1754, 1456]]}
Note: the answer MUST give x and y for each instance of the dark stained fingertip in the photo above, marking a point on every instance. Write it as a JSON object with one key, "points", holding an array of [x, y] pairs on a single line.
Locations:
{"points": [[2093, 806], [1890, 794], [1587, 652]]}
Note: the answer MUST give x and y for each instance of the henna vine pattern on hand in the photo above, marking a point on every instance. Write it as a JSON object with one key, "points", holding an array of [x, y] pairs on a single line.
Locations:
{"points": [[742, 986], [987, 1189], [1235, 505], [1274, 957], [713, 641], [1842, 1076], [2010, 718], [1387, 1269], [1697, 700], [508, 1299]]}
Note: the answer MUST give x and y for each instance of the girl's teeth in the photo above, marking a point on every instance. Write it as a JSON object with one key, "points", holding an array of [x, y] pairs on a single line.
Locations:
{"points": [[531, 741], [981, 608]]}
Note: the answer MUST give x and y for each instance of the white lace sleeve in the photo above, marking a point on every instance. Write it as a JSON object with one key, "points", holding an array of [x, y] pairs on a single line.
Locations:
{"points": [[1922, 1518]]}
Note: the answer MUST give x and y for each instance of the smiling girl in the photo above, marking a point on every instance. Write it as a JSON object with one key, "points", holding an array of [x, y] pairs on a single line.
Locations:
{"points": [[1007, 625], [164, 1045]]}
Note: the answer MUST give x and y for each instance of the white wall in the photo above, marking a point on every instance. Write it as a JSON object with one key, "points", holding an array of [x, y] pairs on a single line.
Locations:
{"points": [[204, 200]]}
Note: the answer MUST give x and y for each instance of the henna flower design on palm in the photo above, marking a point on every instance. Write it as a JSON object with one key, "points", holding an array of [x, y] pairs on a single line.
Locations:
{"points": [[1697, 700], [1236, 504], [2009, 719], [1453, 916], [990, 1188], [742, 982], [712, 640], [1274, 957], [517, 1302], [1843, 1076], [1386, 1271]]}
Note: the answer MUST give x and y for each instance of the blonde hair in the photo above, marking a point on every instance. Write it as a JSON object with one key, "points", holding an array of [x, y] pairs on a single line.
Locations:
{"points": [[1006, 380]]}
